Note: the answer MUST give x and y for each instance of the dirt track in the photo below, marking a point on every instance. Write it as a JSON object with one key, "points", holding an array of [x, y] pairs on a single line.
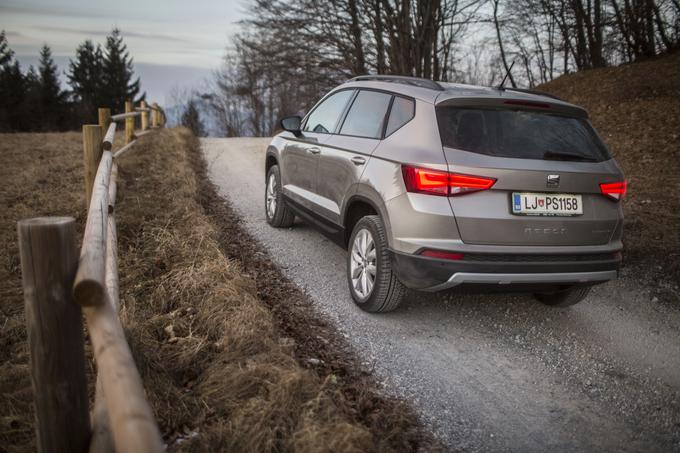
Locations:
{"points": [[491, 372]]}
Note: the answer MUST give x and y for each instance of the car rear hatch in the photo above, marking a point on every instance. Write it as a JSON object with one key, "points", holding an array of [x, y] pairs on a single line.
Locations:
{"points": [[547, 163]]}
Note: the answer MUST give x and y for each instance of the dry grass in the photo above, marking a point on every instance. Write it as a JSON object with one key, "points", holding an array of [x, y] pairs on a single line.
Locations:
{"points": [[221, 368], [636, 108], [212, 354], [40, 174]]}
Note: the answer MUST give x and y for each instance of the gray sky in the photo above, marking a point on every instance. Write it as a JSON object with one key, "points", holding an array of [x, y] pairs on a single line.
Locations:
{"points": [[174, 43]]}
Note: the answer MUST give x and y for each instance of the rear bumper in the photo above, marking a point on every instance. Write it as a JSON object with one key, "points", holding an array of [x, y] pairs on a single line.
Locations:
{"points": [[430, 274]]}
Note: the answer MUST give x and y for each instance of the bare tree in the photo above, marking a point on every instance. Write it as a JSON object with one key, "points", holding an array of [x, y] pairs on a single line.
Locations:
{"points": [[500, 42], [290, 52]]}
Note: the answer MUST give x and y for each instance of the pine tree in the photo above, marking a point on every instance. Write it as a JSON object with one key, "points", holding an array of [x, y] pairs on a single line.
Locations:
{"points": [[13, 89], [192, 119], [6, 54], [30, 113], [86, 79], [118, 72], [52, 97]]}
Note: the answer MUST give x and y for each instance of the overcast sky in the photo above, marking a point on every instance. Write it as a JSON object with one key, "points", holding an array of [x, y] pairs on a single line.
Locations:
{"points": [[174, 43]]}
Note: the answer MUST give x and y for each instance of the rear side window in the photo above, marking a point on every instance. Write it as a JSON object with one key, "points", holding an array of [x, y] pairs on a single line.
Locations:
{"points": [[401, 113], [326, 115], [520, 133], [367, 114]]}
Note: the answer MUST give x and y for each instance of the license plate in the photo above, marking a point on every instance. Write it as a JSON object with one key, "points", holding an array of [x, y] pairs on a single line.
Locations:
{"points": [[555, 204]]}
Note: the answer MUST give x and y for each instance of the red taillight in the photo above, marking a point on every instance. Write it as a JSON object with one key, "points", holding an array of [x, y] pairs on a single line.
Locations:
{"points": [[461, 184], [436, 182], [615, 190], [425, 180], [442, 255]]}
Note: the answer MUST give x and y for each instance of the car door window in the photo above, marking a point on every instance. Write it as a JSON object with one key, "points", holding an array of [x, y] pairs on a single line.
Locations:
{"points": [[402, 111], [367, 114], [325, 116]]}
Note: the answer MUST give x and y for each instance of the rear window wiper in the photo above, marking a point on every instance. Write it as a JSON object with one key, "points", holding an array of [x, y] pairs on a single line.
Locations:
{"points": [[553, 155]]}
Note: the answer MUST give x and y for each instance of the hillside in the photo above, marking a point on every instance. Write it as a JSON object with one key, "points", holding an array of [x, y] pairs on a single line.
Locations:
{"points": [[636, 109]]}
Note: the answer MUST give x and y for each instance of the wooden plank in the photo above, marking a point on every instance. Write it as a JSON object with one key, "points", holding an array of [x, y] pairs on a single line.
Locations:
{"points": [[88, 287], [123, 149], [49, 258], [129, 122], [113, 188], [109, 137], [92, 152], [123, 116], [111, 269], [102, 440], [131, 420], [122, 417]]}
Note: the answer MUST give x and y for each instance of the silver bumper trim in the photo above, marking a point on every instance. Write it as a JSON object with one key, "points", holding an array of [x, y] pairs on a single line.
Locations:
{"points": [[507, 279]]}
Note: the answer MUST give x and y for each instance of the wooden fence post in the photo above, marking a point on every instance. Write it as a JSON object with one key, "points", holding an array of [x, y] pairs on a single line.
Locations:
{"points": [[104, 118], [92, 153], [145, 117], [154, 115], [129, 123], [49, 257]]}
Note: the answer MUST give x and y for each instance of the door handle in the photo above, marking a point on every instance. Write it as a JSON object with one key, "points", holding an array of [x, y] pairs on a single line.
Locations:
{"points": [[314, 150], [356, 160]]}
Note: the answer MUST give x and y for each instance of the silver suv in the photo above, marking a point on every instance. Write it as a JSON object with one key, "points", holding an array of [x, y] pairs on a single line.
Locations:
{"points": [[431, 185]]}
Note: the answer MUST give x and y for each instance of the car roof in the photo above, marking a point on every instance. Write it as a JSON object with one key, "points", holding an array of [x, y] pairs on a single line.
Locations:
{"points": [[447, 93], [418, 92]]}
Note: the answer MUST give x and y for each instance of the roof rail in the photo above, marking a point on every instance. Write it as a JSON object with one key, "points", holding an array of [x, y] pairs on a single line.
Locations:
{"points": [[408, 80], [536, 92]]}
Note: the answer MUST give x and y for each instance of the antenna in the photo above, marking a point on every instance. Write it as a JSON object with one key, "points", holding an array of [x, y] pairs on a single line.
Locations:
{"points": [[501, 87]]}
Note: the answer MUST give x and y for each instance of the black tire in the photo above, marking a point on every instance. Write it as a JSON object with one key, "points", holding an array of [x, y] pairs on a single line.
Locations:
{"points": [[387, 291], [282, 217], [565, 297]]}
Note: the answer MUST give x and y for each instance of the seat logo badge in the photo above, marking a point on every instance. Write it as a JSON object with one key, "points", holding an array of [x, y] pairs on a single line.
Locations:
{"points": [[553, 181]]}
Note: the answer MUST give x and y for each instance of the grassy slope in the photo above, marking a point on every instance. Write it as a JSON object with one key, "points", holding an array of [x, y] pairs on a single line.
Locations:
{"points": [[222, 369], [636, 108]]}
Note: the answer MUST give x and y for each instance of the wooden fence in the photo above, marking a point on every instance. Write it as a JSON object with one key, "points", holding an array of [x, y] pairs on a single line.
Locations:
{"points": [[60, 285]]}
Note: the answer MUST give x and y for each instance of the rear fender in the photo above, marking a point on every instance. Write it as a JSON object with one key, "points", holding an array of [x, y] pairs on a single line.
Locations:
{"points": [[370, 196]]}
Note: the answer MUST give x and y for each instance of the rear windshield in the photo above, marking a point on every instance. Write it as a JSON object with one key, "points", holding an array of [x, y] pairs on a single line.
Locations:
{"points": [[520, 133]]}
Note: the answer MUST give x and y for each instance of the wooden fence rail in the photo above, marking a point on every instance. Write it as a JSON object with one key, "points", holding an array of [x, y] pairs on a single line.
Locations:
{"points": [[59, 289]]}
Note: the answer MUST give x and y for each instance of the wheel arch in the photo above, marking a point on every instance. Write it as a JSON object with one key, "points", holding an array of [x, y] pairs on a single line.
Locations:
{"points": [[271, 159], [358, 206]]}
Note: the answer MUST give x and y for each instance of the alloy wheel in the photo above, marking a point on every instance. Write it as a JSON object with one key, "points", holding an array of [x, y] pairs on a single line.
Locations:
{"points": [[363, 263], [271, 196]]}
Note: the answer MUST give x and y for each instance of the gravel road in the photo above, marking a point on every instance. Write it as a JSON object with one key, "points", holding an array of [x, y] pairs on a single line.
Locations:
{"points": [[490, 372]]}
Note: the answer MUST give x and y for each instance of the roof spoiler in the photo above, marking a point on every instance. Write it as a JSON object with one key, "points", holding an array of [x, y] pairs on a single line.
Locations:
{"points": [[520, 103], [536, 92], [407, 80]]}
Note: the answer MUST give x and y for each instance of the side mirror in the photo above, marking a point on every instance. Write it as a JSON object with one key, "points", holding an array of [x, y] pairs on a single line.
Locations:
{"points": [[292, 124]]}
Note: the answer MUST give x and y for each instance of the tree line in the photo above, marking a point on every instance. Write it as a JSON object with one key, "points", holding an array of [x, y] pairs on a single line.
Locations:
{"points": [[34, 100], [289, 52]]}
